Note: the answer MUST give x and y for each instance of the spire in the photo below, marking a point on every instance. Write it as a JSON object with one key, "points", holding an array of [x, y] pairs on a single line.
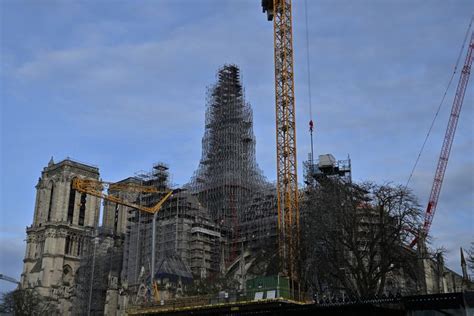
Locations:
{"points": [[228, 169], [228, 175], [465, 276], [463, 261], [51, 162]]}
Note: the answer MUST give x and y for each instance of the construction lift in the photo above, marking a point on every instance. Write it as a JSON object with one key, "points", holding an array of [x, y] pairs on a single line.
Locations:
{"points": [[287, 183], [96, 188], [447, 143]]}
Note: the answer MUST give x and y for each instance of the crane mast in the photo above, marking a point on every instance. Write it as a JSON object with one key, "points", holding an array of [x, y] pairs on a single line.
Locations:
{"points": [[448, 140], [287, 183]]}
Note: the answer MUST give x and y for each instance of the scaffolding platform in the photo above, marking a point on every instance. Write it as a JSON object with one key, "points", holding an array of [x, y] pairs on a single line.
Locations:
{"points": [[460, 303], [224, 306]]}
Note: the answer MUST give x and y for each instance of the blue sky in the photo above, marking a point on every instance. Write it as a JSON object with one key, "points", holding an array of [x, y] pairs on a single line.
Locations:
{"points": [[121, 84]]}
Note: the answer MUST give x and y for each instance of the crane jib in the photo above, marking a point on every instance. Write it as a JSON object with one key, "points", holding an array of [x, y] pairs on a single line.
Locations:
{"points": [[448, 141]]}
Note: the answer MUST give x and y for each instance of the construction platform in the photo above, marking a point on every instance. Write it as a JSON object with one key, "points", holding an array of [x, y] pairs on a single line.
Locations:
{"points": [[461, 303], [193, 307]]}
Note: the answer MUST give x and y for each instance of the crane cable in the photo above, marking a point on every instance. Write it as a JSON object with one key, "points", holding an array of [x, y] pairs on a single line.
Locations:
{"points": [[308, 68], [441, 103]]}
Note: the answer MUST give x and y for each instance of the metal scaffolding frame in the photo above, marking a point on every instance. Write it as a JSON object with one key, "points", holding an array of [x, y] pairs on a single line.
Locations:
{"points": [[183, 229], [228, 177]]}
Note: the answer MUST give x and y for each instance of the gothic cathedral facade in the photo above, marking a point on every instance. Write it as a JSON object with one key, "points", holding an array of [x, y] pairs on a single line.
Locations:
{"points": [[63, 228]]}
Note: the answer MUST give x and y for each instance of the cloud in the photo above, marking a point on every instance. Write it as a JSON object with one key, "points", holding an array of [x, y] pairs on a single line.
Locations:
{"points": [[137, 85], [123, 86]]}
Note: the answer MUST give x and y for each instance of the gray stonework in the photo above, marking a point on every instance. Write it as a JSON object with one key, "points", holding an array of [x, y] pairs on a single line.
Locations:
{"points": [[62, 260], [97, 280], [115, 217], [183, 230], [437, 278], [63, 224]]}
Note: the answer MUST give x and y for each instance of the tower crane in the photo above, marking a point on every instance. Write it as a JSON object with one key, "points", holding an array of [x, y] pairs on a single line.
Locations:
{"points": [[287, 183], [9, 279], [96, 188], [447, 143]]}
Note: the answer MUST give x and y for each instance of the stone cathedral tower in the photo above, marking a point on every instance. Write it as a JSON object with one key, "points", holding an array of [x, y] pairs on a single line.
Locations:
{"points": [[63, 227]]}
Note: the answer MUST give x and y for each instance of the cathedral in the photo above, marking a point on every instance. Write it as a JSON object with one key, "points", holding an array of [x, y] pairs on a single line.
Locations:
{"points": [[222, 225], [63, 227]]}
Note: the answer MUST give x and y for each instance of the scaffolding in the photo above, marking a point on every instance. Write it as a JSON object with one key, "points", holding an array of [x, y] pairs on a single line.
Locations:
{"points": [[327, 166], [259, 220], [98, 274], [184, 228], [228, 177], [185, 239], [138, 240], [229, 208]]}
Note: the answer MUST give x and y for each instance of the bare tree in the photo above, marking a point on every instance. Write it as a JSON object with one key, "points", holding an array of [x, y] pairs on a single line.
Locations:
{"points": [[355, 236], [25, 302], [470, 257]]}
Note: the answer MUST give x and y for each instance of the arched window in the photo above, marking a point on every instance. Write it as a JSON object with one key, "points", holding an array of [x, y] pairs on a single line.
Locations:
{"points": [[42, 247], [116, 217], [67, 275], [79, 247], [70, 209], [82, 209], [67, 246], [51, 194]]}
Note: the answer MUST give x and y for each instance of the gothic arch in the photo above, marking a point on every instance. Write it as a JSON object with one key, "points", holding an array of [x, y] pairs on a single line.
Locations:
{"points": [[71, 203], [51, 187], [68, 275], [68, 245], [82, 209]]}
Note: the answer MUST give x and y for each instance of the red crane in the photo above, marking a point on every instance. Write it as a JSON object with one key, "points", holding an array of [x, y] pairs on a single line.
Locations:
{"points": [[448, 141]]}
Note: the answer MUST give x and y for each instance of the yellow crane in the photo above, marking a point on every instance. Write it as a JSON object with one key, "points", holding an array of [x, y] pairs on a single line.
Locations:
{"points": [[287, 183], [97, 187]]}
